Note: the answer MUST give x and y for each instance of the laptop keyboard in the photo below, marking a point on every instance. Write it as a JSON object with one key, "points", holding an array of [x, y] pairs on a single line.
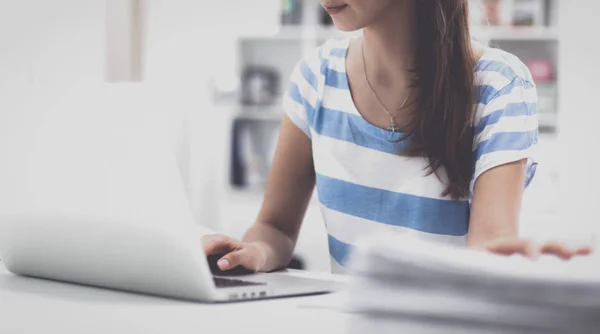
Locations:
{"points": [[221, 282]]}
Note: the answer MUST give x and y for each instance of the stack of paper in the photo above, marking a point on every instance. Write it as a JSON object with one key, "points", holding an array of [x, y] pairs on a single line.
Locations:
{"points": [[406, 285]]}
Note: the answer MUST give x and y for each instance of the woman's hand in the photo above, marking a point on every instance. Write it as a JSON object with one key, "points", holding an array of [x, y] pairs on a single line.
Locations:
{"points": [[534, 251], [250, 255]]}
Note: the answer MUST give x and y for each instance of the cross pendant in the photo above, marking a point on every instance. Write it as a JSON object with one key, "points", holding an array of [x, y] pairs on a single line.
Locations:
{"points": [[393, 126]]}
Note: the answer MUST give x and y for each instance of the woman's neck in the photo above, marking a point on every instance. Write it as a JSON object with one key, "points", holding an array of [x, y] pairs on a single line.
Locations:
{"points": [[390, 47]]}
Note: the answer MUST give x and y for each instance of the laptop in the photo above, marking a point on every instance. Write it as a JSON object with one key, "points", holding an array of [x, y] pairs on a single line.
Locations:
{"points": [[92, 194]]}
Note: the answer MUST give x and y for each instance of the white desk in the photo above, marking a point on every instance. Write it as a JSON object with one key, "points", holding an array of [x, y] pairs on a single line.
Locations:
{"points": [[29, 305]]}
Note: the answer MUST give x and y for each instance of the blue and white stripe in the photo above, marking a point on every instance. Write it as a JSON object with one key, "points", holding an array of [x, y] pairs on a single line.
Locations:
{"points": [[365, 187]]}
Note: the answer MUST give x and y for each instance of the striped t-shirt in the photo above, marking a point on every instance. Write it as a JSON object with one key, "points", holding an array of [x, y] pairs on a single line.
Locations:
{"points": [[365, 187]]}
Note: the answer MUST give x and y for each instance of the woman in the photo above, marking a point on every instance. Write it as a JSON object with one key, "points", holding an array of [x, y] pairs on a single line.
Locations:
{"points": [[411, 129]]}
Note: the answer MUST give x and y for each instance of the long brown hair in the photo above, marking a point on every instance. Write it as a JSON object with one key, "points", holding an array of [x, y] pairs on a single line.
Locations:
{"points": [[444, 77]]}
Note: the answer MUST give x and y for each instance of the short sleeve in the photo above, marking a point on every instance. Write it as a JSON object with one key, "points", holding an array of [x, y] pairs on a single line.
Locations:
{"points": [[301, 99], [506, 128]]}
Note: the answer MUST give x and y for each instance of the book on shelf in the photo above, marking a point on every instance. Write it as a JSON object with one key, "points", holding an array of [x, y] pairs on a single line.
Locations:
{"points": [[292, 12], [502, 13]]}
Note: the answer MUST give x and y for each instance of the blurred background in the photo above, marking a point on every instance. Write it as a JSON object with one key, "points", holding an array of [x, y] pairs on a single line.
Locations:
{"points": [[231, 60]]}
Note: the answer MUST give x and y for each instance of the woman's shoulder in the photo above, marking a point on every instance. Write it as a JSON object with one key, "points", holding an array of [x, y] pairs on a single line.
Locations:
{"points": [[331, 53], [498, 68], [333, 48]]}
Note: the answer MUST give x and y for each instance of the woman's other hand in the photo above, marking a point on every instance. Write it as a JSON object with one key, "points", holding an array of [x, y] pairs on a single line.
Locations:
{"points": [[250, 255], [533, 251]]}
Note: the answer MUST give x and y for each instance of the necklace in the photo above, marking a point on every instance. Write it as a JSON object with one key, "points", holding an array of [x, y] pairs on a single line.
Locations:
{"points": [[393, 127]]}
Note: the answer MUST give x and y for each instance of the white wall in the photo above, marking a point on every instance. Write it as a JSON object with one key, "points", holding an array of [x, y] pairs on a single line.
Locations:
{"points": [[188, 43], [55, 44], [187, 37], [50, 41], [58, 43], [60, 40], [579, 134]]}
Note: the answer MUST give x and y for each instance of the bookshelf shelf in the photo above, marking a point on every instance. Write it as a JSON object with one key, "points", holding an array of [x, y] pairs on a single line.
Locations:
{"points": [[272, 113]]}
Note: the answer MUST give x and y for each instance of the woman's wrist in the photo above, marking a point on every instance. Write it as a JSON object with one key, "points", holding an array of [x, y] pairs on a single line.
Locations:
{"points": [[263, 253], [275, 247]]}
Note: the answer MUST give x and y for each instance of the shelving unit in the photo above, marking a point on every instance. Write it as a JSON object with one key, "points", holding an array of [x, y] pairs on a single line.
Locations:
{"points": [[532, 44], [547, 122], [271, 113]]}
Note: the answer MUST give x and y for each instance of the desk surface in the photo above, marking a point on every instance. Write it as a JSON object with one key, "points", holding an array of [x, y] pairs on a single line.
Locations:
{"points": [[29, 305]]}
